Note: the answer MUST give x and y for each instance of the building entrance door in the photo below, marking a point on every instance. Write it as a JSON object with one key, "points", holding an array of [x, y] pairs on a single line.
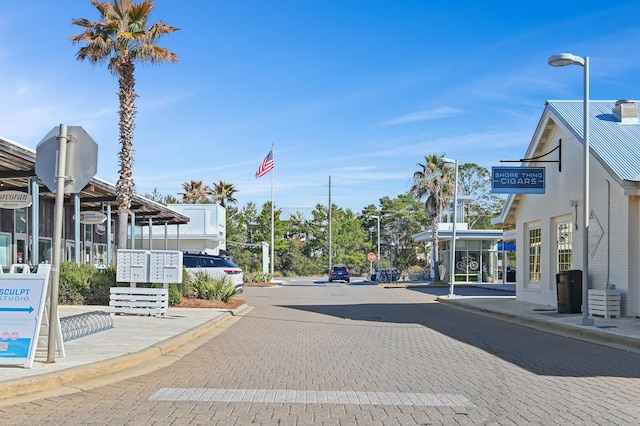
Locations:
{"points": [[22, 254]]}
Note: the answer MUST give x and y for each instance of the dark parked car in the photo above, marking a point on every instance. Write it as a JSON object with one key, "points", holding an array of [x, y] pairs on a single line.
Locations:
{"points": [[339, 273]]}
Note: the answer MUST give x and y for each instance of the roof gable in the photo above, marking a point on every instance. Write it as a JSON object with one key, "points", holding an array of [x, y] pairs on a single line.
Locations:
{"points": [[615, 143]]}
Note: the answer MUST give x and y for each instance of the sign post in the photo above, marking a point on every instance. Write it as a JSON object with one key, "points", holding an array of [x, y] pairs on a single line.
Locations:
{"points": [[65, 163], [371, 257]]}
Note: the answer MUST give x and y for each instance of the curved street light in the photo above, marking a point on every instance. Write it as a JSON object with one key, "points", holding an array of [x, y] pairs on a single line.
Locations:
{"points": [[561, 60]]}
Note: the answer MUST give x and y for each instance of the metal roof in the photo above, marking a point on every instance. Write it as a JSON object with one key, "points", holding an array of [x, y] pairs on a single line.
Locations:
{"points": [[616, 144], [17, 167]]}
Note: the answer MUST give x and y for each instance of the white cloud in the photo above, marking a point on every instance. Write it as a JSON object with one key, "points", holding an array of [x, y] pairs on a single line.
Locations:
{"points": [[431, 114]]}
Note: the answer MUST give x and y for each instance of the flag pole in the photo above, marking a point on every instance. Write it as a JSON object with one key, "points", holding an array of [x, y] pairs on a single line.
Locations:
{"points": [[273, 174]]}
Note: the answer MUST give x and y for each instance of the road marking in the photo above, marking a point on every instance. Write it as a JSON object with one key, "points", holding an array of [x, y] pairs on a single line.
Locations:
{"points": [[289, 396]]}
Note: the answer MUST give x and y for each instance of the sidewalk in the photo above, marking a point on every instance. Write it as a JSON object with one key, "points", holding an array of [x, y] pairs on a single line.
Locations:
{"points": [[622, 333], [134, 341], [139, 341]]}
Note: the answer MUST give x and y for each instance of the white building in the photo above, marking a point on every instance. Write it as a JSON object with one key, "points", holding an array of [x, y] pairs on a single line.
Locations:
{"points": [[548, 227], [477, 258], [206, 230]]}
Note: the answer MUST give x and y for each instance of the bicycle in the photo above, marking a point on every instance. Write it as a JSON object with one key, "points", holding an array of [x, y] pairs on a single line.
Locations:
{"points": [[388, 276], [467, 263]]}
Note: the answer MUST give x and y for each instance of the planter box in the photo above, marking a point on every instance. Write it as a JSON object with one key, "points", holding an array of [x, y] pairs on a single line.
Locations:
{"points": [[139, 301], [604, 303]]}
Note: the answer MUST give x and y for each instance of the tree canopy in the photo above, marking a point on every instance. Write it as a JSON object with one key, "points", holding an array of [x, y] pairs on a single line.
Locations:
{"points": [[302, 240]]}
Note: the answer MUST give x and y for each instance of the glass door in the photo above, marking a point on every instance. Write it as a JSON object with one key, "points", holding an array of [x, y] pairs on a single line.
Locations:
{"points": [[21, 229], [21, 249]]}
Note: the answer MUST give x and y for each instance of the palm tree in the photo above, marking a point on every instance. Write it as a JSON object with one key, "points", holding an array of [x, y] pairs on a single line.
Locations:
{"points": [[224, 192], [195, 192], [435, 181], [121, 38]]}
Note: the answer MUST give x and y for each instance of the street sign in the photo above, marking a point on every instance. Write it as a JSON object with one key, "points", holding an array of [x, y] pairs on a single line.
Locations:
{"points": [[371, 257], [81, 160]]}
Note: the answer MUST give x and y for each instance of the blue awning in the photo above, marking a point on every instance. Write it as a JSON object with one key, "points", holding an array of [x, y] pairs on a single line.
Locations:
{"points": [[508, 247]]}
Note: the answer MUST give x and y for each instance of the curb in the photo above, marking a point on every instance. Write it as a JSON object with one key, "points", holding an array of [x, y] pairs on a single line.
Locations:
{"points": [[72, 376]]}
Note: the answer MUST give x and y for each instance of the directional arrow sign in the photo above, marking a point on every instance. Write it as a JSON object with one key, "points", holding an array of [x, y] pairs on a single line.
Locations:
{"points": [[22, 300], [29, 309]]}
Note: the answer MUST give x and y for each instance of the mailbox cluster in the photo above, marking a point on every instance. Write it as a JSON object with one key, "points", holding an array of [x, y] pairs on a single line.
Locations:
{"points": [[149, 266]]}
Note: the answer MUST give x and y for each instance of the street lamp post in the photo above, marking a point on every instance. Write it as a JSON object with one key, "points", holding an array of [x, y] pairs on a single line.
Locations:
{"points": [[378, 219], [393, 245], [452, 268], [562, 60]]}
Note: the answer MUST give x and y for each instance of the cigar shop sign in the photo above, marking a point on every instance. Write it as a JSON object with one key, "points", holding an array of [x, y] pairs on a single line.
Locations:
{"points": [[14, 199]]}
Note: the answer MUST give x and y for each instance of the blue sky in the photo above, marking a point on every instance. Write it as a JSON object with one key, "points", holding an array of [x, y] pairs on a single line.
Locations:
{"points": [[356, 90]]}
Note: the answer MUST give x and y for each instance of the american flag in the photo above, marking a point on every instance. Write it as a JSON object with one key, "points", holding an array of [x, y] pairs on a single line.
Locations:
{"points": [[266, 166]]}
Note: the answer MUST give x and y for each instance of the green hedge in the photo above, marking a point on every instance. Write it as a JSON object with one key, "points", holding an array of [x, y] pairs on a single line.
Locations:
{"points": [[85, 285]]}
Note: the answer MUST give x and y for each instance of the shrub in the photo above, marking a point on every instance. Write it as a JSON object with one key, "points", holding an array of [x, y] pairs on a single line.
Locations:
{"points": [[198, 285], [201, 285], [223, 289], [185, 287], [74, 282], [83, 284], [175, 297], [69, 294], [256, 277], [99, 284]]}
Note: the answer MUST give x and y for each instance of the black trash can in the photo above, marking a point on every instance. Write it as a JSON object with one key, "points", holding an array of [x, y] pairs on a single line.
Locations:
{"points": [[569, 291]]}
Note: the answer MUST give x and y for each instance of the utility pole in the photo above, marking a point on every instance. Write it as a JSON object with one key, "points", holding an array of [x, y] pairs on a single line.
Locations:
{"points": [[330, 243]]}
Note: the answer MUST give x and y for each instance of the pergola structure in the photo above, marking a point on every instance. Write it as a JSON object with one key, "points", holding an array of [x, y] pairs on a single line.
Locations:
{"points": [[18, 172]]}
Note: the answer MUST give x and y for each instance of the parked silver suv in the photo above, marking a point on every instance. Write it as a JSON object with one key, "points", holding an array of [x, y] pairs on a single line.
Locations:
{"points": [[215, 266]]}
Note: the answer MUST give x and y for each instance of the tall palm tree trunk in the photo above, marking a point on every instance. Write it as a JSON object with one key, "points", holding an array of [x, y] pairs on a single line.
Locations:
{"points": [[125, 187], [435, 246]]}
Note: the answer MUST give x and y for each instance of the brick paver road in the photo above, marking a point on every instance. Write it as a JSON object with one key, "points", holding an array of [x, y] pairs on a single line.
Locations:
{"points": [[338, 354]]}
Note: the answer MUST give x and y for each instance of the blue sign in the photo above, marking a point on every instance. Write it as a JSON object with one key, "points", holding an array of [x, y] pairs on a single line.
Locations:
{"points": [[517, 180], [22, 298]]}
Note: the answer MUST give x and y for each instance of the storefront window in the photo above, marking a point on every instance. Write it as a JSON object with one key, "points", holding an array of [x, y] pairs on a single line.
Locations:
{"points": [[5, 250], [70, 251], [535, 248], [475, 260], [44, 250], [88, 232], [100, 256], [564, 241], [21, 221]]}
